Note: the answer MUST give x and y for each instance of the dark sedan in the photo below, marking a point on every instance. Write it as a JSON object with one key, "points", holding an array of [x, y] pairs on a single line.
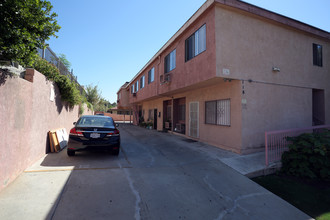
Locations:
{"points": [[93, 132]]}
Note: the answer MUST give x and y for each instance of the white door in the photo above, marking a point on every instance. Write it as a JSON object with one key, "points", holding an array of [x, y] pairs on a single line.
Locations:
{"points": [[193, 119]]}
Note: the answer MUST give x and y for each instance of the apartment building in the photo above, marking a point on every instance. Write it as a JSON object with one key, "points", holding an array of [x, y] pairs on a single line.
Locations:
{"points": [[232, 72]]}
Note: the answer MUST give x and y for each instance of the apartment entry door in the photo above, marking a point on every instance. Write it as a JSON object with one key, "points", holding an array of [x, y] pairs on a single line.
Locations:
{"points": [[318, 107], [155, 118], [193, 119]]}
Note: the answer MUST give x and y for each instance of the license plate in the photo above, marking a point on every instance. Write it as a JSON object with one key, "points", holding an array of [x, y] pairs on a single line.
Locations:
{"points": [[95, 135]]}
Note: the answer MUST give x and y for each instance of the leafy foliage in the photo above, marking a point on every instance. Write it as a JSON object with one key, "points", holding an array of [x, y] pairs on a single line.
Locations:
{"points": [[24, 27], [95, 99], [81, 109], [92, 94], [46, 68], [68, 89], [308, 155], [64, 60]]}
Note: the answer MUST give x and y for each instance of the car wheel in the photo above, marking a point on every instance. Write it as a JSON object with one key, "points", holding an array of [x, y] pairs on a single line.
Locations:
{"points": [[71, 153]]}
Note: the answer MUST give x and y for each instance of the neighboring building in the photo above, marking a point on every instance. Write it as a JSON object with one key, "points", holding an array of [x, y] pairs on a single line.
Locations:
{"points": [[232, 72]]}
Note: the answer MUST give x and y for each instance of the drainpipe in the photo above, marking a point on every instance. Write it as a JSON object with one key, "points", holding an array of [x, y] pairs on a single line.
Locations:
{"points": [[158, 71], [172, 114]]}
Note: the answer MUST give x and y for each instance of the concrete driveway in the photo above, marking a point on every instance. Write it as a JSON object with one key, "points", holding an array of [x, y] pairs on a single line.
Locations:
{"points": [[156, 176]]}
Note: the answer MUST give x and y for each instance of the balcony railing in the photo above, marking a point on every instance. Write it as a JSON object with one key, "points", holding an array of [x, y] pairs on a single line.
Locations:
{"points": [[276, 143], [49, 55]]}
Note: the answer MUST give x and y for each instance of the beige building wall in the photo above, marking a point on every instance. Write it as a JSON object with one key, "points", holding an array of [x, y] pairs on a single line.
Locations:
{"points": [[244, 44], [226, 137], [271, 107], [123, 101], [151, 105], [248, 46]]}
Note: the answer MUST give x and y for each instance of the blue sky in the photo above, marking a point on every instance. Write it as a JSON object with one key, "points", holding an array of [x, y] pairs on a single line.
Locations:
{"points": [[109, 41]]}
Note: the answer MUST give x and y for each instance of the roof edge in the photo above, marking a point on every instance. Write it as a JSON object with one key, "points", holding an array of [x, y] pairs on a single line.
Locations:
{"points": [[193, 18], [287, 21], [244, 6]]}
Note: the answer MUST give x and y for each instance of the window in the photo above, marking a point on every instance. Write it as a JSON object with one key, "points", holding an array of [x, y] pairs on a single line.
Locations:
{"points": [[218, 112], [170, 61], [142, 82], [132, 89], [196, 43], [317, 55], [151, 75], [137, 86], [119, 96]]}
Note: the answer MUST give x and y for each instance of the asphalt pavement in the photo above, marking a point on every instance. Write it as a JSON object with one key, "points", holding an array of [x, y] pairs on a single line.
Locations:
{"points": [[156, 176]]}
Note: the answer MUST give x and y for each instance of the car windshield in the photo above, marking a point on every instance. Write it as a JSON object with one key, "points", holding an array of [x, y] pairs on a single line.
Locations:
{"points": [[95, 122]]}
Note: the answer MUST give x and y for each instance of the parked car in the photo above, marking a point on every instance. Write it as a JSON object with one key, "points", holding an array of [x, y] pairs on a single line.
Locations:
{"points": [[94, 132]]}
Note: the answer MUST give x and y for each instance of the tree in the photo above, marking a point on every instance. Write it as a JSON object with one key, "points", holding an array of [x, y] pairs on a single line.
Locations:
{"points": [[24, 27], [102, 105], [64, 60], [93, 94]]}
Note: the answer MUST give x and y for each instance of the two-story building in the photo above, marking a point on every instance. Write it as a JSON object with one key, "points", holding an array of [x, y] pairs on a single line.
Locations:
{"points": [[232, 72]]}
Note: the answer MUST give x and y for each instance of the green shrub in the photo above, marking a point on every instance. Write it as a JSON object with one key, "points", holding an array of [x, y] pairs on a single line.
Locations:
{"points": [[81, 109], [90, 106], [308, 155], [46, 68], [68, 89], [143, 124]]}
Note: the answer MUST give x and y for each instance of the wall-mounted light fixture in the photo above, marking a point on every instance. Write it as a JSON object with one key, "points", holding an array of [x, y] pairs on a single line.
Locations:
{"points": [[276, 69]]}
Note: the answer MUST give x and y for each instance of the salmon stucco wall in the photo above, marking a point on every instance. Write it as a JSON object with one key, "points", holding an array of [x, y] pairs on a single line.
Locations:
{"points": [[272, 107], [226, 137], [185, 73], [28, 111], [249, 46]]}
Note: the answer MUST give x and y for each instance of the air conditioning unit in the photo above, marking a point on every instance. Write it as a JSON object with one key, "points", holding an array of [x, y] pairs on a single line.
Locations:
{"points": [[167, 125], [166, 78], [134, 94], [178, 127]]}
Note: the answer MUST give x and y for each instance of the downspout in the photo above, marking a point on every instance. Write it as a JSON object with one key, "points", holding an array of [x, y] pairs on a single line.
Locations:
{"points": [[158, 71], [172, 114]]}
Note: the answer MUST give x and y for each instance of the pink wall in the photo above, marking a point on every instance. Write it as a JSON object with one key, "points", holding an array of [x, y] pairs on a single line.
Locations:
{"points": [[200, 68], [251, 45], [27, 114], [243, 44], [117, 117], [123, 102]]}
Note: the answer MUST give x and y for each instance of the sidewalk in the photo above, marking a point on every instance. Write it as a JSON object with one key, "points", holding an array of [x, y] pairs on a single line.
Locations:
{"points": [[250, 165]]}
